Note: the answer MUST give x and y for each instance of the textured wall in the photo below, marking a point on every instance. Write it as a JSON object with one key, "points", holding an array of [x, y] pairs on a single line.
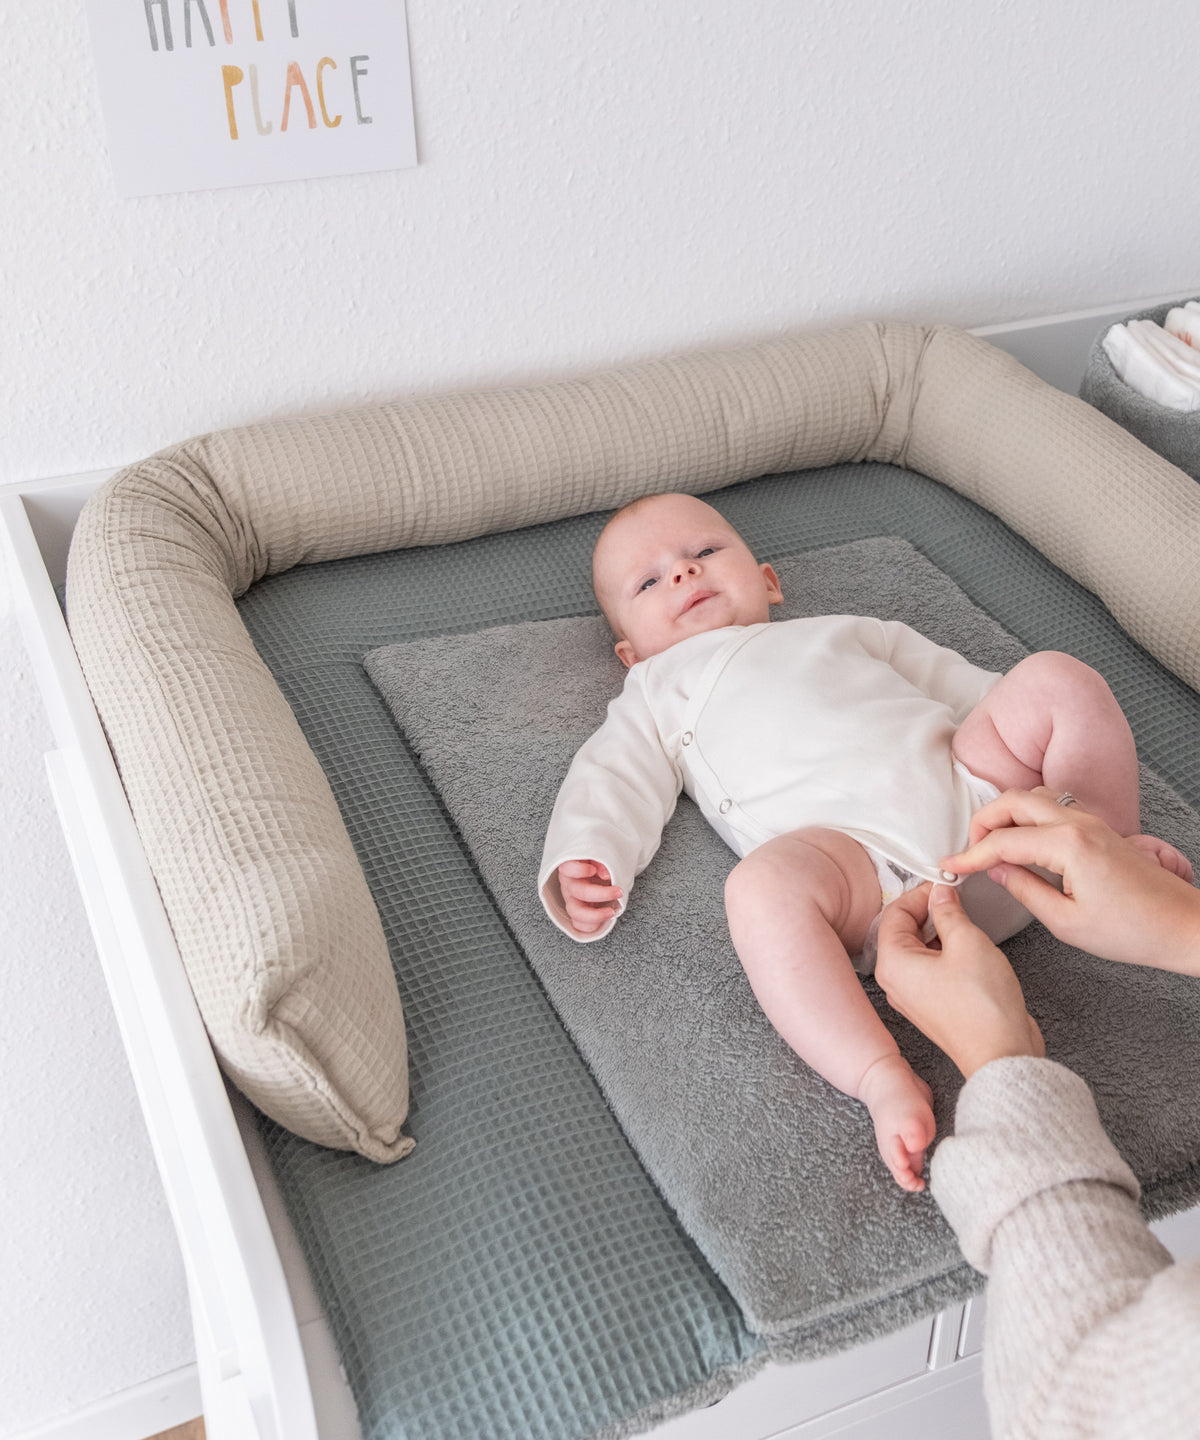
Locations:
{"points": [[599, 182]]}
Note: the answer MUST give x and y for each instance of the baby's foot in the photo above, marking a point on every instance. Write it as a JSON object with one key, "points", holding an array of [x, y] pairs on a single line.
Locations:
{"points": [[901, 1107], [1166, 855]]}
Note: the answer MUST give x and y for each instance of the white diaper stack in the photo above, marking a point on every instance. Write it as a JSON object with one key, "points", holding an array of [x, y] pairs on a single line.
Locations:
{"points": [[1160, 362]]}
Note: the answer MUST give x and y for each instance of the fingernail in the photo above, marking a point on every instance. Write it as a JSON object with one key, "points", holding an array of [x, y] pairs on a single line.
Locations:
{"points": [[998, 873], [941, 894]]}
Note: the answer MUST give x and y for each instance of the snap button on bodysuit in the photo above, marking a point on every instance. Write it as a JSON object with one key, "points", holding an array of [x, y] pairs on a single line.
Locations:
{"points": [[725, 806], [687, 737]]}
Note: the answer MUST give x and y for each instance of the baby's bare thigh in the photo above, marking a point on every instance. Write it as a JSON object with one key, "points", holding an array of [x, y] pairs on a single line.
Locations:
{"points": [[817, 867]]}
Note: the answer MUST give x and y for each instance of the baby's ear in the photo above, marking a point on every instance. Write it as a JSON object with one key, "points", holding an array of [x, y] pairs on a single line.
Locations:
{"points": [[774, 592], [625, 653]]}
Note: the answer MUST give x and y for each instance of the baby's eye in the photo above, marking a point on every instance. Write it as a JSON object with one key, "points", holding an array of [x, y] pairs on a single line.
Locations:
{"points": [[646, 584], [708, 550]]}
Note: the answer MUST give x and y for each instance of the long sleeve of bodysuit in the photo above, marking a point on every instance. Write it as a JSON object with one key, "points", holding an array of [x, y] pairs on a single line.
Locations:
{"points": [[620, 791], [1091, 1330]]}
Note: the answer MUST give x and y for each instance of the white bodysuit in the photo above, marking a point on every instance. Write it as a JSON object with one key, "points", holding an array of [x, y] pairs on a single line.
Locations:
{"points": [[838, 721]]}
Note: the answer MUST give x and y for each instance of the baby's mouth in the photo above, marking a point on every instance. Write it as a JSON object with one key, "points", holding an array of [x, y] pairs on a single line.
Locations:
{"points": [[697, 598]]}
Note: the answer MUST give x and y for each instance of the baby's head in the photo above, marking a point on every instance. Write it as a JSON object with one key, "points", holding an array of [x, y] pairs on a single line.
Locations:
{"points": [[669, 566]]}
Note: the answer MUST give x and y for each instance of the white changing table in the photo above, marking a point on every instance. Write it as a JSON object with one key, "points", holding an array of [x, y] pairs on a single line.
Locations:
{"points": [[267, 1365]]}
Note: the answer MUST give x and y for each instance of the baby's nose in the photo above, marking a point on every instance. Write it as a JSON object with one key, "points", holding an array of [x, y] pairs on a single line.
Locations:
{"points": [[684, 569]]}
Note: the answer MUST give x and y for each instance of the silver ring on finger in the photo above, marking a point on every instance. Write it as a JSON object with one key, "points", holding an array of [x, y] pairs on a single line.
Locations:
{"points": [[1066, 798]]}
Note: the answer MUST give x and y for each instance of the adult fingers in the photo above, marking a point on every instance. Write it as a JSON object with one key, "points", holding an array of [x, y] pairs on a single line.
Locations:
{"points": [[903, 960], [1048, 845], [947, 913], [901, 922], [1039, 897], [962, 940], [1018, 808]]}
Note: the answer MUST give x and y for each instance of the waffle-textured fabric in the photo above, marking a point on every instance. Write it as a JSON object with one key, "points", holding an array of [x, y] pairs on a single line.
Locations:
{"points": [[1174, 434], [1091, 1329], [773, 1172], [518, 1276], [274, 923]]}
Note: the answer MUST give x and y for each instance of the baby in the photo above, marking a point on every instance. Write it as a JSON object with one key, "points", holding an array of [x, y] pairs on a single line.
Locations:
{"points": [[839, 756]]}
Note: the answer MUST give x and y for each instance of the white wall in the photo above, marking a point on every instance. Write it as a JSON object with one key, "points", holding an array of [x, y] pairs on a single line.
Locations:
{"points": [[92, 1276], [599, 182]]}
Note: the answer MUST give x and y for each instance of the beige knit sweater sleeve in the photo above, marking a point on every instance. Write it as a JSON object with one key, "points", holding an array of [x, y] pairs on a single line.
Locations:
{"points": [[1091, 1330]]}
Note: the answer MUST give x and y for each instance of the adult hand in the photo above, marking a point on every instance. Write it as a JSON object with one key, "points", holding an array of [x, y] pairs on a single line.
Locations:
{"points": [[964, 996], [1117, 900], [589, 896]]}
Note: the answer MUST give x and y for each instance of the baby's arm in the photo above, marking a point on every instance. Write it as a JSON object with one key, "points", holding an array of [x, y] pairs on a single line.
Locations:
{"points": [[936, 671], [620, 791]]}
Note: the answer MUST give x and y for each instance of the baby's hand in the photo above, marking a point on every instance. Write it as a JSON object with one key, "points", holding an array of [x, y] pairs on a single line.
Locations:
{"points": [[589, 896]]}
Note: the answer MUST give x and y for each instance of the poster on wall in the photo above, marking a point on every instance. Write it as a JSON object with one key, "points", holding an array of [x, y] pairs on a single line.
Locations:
{"points": [[201, 94]]}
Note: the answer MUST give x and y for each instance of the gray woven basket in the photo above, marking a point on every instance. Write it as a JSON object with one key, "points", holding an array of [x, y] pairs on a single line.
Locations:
{"points": [[1175, 434]]}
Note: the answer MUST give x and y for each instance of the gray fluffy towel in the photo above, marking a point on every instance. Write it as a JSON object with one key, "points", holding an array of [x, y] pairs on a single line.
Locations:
{"points": [[771, 1170], [1175, 434]]}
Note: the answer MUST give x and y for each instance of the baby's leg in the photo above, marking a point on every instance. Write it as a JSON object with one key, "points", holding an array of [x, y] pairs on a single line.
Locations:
{"points": [[1053, 721], [798, 907]]}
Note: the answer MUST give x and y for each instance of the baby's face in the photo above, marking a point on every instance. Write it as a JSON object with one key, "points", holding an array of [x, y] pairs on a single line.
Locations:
{"points": [[672, 568]]}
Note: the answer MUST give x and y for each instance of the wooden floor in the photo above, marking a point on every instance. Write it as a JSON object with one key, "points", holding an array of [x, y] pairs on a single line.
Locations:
{"points": [[193, 1430]]}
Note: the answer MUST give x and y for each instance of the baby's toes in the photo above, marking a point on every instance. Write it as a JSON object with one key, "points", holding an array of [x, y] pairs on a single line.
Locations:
{"points": [[917, 1139], [1166, 855], [904, 1163], [919, 1133]]}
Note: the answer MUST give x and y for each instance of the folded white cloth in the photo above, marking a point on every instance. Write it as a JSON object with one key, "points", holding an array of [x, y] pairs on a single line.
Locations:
{"points": [[1156, 364], [1184, 321]]}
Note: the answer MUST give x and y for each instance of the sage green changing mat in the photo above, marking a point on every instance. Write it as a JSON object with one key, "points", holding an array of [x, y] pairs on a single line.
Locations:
{"points": [[519, 1275], [772, 1171]]}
